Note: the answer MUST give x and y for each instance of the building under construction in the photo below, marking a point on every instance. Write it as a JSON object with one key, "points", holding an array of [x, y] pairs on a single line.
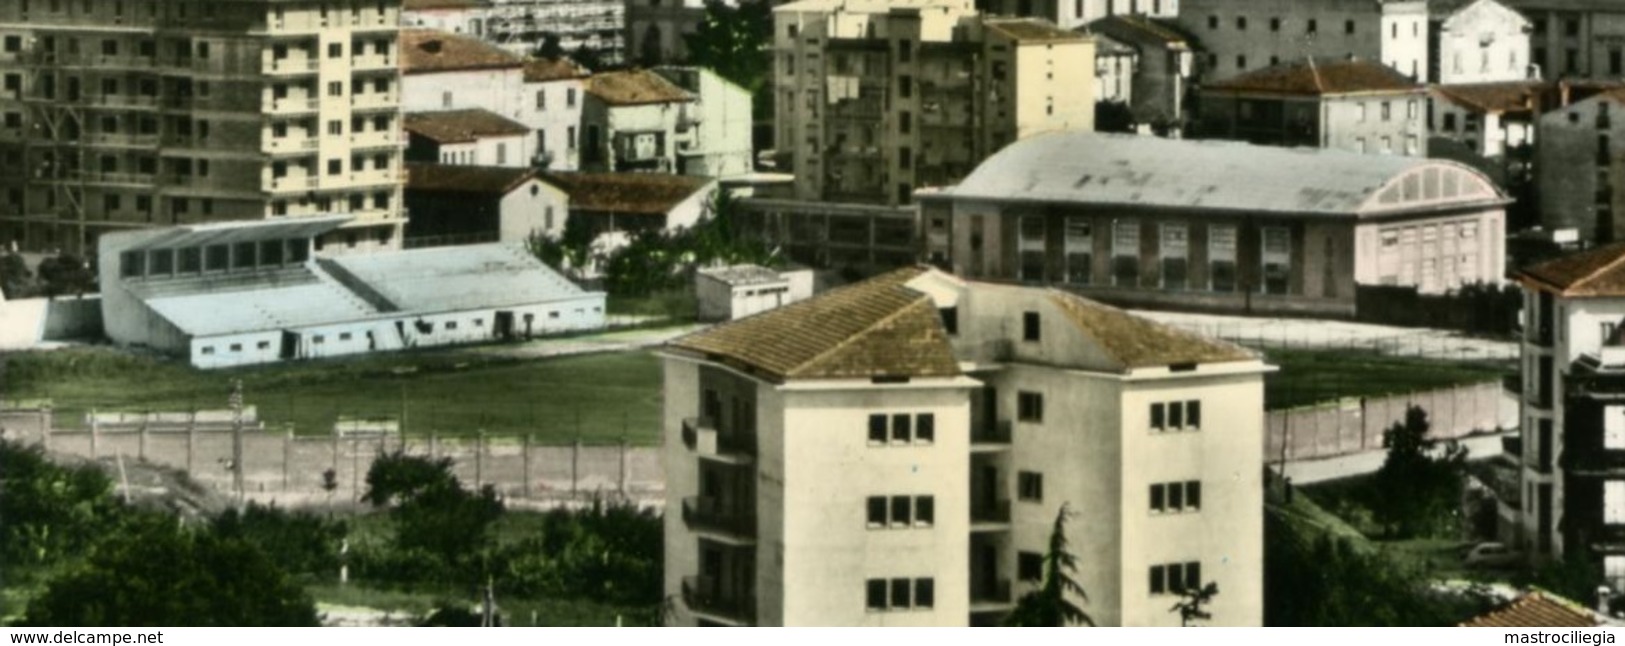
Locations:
{"points": [[121, 114], [522, 26]]}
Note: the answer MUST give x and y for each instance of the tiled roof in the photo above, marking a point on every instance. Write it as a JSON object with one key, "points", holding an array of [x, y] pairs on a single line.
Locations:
{"points": [[428, 5], [1505, 97], [1029, 30], [451, 178], [1107, 45], [1135, 342], [1595, 272], [878, 327], [427, 50], [539, 70], [627, 193], [1536, 609], [1136, 28], [742, 274], [462, 126], [1319, 77], [634, 87]]}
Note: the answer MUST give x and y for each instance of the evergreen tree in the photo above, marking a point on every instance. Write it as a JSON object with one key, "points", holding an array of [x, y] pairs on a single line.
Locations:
{"points": [[1049, 605]]}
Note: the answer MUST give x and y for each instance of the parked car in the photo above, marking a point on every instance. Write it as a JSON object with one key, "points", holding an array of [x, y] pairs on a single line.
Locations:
{"points": [[1491, 555]]}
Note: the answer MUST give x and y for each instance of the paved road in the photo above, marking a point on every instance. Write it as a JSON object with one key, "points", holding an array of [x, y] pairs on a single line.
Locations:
{"points": [[1312, 471]]}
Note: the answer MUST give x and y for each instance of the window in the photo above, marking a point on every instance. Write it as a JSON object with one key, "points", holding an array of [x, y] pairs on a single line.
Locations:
{"points": [[950, 320], [1176, 496], [1241, 23], [875, 588], [1030, 566], [1275, 24], [1029, 326], [236, 347], [1029, 406], [1030, 486], [1387, 110], [336, 88], [335, 166], [1313, 27], [925, 428], [335, 50], [1212, 22], [1277, 256], [1176, 416], [1348, 26], [263, 345], [925, 593], [318, 339], [902, 428], [208, 349]]}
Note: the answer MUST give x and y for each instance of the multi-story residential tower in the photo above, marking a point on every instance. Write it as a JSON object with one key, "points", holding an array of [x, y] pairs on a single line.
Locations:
{"points": [[1239, 36], [894, 453], [118, 115], [876, 99], [1573, 405]]}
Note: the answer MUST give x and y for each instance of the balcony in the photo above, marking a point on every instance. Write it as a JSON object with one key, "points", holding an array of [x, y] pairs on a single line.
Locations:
{"points": [[705, 514], [292, 67], [700, 434], [291, 144], [287, 106], [1594, 463], [704, 596], [991, 594], [376, 139], [990, 516], [375, 101], [373, 62], [991, 435], [293, 184], [123, 179], [125, 100], [120, 139]]}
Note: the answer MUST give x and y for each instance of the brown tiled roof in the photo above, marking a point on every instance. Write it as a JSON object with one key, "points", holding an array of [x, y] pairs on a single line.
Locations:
{"points": [[1320, 77], [875, 328], [449, 178], [462, 126], [538, 70], [1029, 30], [1510, 97], [1137, 27], [1536, 609], [1134, 342], [634, 87], [627, 193], [426, 5], [1595, 272], [427, 50]]}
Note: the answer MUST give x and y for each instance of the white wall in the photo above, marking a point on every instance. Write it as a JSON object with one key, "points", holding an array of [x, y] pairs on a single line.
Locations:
{"points": [[535, 207], [1484, 42], [553, 118], [497, 90]]}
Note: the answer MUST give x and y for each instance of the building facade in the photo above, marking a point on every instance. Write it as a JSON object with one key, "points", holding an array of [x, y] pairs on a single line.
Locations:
{"points": [[1222, 226], [657, 30], [717, 140], [1238, 37], [116, 116], [1070, 14], [554, 92], [1358, 106], [1162, 70], [477, 204], [1575, 38], [877, 99], [1573, 407], [1478, 41], [635, 121], [523, 26], [446, 71], [454, 16], [1580, 167], [937, 428], [471, 137]]}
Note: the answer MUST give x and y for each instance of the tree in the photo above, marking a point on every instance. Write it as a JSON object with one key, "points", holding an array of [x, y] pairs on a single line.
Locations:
{"points": [[733, 42], [433, 513], [304, 544], [49, 513], [151, 572], [1193, 603], [1048, 605], [550, 48], [15, 279], [1415, 492], [66, 274]]}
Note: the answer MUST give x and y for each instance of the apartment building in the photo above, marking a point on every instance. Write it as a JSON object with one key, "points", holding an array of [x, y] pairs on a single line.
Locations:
{"points": [[119, 115], [523, 26], [455, 16], [1238, 37], [1573, 434], [1354, 105], [1580, 167], [634, 121], [1070, 14], [937, 427], [876, 99], [554, 91], [1214, 225], [1576, 38], [1478, 41]]}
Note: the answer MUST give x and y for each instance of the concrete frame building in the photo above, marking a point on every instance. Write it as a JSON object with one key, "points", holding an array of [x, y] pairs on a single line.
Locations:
{"points": [[895, 452], [1220, 226], [876, 99], [1573, 433], [1238, 37], [1358, 106], [1580, 167], [117, 115], [1576, 38], [1478, 41], [522, 26], [241, 293], [454, 16]]}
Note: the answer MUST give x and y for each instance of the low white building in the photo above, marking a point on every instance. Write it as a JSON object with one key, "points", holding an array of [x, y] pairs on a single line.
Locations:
{"points": [[738, 291], [472, 137], [241, 293]]}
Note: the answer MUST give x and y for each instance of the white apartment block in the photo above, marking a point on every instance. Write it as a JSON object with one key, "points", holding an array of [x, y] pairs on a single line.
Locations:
{"points": [[1572, 498], [876, 99], [554, 91], [1243, 35], [894, 453], [118, 115]]}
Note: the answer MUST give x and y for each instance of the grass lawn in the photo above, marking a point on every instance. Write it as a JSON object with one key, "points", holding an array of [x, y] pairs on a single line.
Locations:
{"points": [[1312, 376], [598, 397]]}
